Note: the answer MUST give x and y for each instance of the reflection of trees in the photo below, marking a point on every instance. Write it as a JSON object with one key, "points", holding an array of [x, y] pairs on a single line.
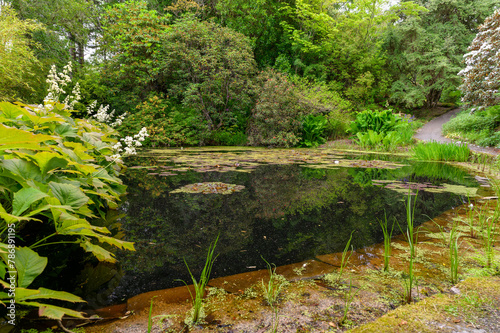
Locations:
{"points": [[285, 213]]}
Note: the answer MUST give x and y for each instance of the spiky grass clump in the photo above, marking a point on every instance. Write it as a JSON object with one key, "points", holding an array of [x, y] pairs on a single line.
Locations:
{"points": [[435, 151]]}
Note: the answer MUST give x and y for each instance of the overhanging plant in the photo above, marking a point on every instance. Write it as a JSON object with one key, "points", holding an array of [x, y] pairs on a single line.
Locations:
{"points": [[61, 173]]}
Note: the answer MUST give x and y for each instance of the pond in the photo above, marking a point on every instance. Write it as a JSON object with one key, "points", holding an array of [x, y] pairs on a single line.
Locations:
{"points": [[284, 206]]}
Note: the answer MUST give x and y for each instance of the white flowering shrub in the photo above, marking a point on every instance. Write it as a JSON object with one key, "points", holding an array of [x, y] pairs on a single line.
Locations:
{"points": [[57, 81], [481, 76]]}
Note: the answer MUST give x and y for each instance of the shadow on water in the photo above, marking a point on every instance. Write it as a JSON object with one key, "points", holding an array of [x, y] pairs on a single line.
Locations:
{"points": [[285, 213]]}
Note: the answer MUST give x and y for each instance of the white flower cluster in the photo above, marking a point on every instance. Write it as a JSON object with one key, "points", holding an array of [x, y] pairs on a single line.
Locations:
{"points": [[57, 81], [126, 146], [103, 116], [75, 96]]}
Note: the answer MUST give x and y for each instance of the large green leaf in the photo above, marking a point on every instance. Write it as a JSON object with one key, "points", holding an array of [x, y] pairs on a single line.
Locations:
{"points": [[9, 218], [66, 130], [100, 253], [52, 311], [13, 138], [28, 265], [42, 293], [11, 111], [69, 194], [25, 169], [24, 198], [71, 225], [48, 161]]}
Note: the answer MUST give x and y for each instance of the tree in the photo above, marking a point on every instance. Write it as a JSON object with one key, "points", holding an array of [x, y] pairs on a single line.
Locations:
{"points": [[259, 20], [17, 58], [132, 36], [481, 76], [72, 21], [210, 68], [340, 42], [425, 53]]}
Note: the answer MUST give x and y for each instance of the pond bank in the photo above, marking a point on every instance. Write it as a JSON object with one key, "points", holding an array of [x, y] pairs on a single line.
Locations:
{"points": [[311, 304]]}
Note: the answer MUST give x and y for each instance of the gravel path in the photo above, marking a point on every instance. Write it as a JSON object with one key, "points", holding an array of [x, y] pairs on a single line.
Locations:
{"points": [[432, 132]]}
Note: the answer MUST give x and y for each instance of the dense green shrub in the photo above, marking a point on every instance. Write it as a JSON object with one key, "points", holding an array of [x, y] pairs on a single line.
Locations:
{"points": [[168, 123], [209, 68], [276, 117], [283, 104], [230, 137], [479, 127]]}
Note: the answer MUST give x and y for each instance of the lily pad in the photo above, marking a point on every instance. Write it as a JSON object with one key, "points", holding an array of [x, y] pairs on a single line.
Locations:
{"points": [[210, 188]]}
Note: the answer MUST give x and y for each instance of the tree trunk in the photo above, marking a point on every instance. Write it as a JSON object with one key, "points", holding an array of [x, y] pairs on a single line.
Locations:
{"points": [[81, 53], [433, 97]]}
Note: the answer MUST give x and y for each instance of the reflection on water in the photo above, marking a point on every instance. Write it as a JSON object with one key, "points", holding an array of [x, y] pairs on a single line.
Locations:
{"points": [[285, 214]]}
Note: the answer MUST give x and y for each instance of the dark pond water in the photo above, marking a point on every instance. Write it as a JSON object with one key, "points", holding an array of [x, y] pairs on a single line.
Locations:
{"points": [[285, 213]]}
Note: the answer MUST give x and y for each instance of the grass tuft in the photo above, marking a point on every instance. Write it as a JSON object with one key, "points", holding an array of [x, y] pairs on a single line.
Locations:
{"points": [[435, 151]]}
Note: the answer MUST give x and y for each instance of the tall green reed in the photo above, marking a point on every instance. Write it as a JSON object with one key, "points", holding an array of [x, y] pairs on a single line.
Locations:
{"points": [[345, 257], [272, 290], [410, 279], [454, 255], [150, 319], [451, 241], [349, 297], [435, 151], [197, 314], [488, 236], [387, 240]]}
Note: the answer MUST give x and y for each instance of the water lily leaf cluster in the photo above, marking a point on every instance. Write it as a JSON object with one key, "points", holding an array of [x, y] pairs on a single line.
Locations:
{"points": [[56, 176], [403, 187], [207, 160], [210, 188]]}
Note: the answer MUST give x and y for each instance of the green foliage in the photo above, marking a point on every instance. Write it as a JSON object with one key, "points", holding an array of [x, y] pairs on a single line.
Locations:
{"points": [[168, 123], [393, 130], [370, 138], [130, 43], [376, 121], [55, 172], [260, 21], [197, 313], [274, 286], [340, 42], [345, 257], [338, 123], [282, 102], [479, 127], [410, 279], [425, 53], [209, 68], [387, 240], [17, 60], [277, 112], [435, 151], [312, 131], [230, 137]]}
